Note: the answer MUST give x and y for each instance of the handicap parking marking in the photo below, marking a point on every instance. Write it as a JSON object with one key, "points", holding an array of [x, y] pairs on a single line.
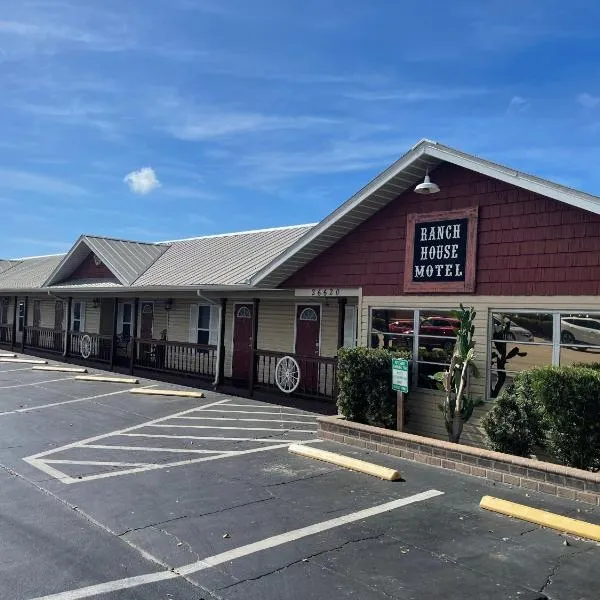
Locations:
{"points": [[49, 460], [241, 551]]}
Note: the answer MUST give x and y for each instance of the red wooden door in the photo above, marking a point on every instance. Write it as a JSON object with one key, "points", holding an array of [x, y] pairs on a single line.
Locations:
{"points": [[308, 330], [242, 341]]}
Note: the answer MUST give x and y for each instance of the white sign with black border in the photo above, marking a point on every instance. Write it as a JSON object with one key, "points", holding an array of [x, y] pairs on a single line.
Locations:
{"points": [[326, 292]]}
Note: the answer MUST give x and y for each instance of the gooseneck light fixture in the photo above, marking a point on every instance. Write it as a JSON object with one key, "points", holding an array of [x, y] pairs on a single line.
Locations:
{"points": [[427, 187]]}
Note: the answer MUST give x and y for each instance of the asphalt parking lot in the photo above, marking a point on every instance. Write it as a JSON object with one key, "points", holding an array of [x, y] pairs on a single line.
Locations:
{"points": [[109, 495]]}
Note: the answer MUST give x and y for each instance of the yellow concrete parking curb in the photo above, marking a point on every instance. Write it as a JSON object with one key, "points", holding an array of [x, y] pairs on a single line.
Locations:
{"points": [[542, 517], [179, 393], [347, 462], [61, 369], [107, 379], [27, 361]]}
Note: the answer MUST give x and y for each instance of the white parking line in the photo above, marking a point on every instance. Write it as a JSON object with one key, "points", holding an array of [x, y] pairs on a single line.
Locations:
{"points": [[147, 449], [98, 463], [20, 385], [260, 412], [51, 404], [240, 552], [13, 370], [201, 437], [282, 429], [243, 419]]}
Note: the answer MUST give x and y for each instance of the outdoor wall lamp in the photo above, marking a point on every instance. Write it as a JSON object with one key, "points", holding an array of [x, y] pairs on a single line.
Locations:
{"points": [[427, 187]]}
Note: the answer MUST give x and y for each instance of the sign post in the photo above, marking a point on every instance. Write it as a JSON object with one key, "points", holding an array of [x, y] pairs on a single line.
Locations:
{"points": [[400, 386]]}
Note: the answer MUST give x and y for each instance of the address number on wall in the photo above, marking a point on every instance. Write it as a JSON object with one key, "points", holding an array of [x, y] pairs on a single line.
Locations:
{"points": [[326, 292]]}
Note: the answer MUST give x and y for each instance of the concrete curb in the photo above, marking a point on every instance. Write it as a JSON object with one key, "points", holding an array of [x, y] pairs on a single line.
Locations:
{"points": [[61, 369], [527, 473], [542, 517], [28, 361], [178, 393], [130, 380], [345, 461], [3, 355]]}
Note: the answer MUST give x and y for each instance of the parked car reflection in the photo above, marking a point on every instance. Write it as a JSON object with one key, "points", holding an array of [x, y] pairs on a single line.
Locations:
{"points": [[515, 332], [580, 332]]}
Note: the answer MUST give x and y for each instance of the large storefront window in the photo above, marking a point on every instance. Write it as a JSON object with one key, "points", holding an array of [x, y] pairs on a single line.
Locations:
{"points": [[519, 341]]}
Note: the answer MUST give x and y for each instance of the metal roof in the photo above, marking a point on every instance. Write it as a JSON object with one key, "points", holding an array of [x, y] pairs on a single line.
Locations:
{"points": [[85, 284], [29, 273], [7, 264], [401, 176], [125, 259], [228, 259]]}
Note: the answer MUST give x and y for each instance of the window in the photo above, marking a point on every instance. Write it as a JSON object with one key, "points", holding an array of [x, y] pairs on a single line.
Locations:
{"points": [[21, 316], [350, 318], [78, 316], [392, 328], [4, 311], [519, 341], [309, 314], [204, 324], [436, 337], [243, 313], [125, 320], [579, 338]]}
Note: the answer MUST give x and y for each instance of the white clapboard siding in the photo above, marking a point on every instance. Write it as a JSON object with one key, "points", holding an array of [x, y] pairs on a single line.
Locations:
{"points": [[425, 417], [92, 317]]}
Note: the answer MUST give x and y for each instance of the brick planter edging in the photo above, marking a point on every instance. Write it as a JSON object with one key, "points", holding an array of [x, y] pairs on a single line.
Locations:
{"points": [[558, 480]]}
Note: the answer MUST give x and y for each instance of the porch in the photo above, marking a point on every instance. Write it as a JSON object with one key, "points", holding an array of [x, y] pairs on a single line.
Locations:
{"points": [[252, 345]]}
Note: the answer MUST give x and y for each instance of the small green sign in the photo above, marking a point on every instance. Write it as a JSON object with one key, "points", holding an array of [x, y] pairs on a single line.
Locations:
{"points": [[400, 375]]}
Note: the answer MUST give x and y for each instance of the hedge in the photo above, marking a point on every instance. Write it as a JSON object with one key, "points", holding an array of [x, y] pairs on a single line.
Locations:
{"points": [[554, 407], [365, 392]]}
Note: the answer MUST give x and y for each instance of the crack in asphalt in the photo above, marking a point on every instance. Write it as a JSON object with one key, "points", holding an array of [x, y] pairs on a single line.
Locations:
{"points": [[307, 559], [554, 569], [193, 516]]}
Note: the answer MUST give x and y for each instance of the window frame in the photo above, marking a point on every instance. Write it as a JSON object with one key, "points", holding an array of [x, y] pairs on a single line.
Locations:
{"points": [[81, 319]]}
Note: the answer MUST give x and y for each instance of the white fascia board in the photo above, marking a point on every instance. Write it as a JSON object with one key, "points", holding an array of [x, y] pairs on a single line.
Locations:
{"points": [[381, 179], [531, 183]]}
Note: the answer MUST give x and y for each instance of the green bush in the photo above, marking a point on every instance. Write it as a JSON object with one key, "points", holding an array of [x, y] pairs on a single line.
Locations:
{"points": [[365, 392], [571, 401], [515, 425], [593, 365]]}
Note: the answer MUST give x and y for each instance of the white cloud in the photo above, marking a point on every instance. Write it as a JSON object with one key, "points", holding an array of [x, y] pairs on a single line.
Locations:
{"points": [[416, 95], [142, 181], [588, 101], [517, 105], [215, 125]]}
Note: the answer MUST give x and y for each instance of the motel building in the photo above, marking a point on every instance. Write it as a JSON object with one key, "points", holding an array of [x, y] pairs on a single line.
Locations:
{"points": [[269, 309]]}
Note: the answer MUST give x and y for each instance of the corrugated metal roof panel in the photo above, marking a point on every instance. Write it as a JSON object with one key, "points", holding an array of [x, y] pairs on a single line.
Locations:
{"points": [[29, 272], [229, 259], [127, 260]]}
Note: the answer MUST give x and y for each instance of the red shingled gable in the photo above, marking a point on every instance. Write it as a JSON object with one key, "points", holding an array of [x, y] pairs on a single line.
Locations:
{"points": [[527, 244]]}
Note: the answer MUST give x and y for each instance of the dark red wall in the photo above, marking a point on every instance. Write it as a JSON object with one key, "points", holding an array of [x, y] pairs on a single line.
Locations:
{"points": [[88, 270], [527, 244]]}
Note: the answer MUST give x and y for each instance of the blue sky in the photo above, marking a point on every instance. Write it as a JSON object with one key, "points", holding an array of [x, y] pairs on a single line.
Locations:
{"points": [[272, 112]]}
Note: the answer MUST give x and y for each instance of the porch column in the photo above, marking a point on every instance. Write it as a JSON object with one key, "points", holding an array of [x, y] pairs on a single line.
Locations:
{"points": [[136, 306], [113, 341], [253, 346], [25, 302], [68, 327], [221, 349], [341, 321], [13, 339]]}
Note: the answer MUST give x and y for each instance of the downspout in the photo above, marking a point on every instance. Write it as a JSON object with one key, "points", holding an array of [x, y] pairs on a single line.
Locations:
{"points": [[218, 362]]}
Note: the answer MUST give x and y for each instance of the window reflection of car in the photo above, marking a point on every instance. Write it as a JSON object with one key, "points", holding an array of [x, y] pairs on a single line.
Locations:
{"points": [[401, 326], [580, 330], [438, 330], [515, 332]]}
